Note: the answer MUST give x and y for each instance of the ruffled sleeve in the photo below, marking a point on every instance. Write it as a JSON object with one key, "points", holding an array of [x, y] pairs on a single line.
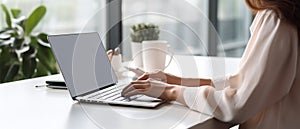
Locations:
{"points": [[265, 76]]}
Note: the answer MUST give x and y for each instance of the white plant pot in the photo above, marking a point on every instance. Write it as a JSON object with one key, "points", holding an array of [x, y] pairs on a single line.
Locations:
{"points": [[137, 55]]}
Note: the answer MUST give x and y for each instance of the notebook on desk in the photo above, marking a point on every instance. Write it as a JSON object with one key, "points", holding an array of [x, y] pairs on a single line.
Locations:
{"points": [[88, 73]]}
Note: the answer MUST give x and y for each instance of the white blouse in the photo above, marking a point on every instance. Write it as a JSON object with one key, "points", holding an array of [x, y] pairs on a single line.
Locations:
{"points": [[265, 92]]}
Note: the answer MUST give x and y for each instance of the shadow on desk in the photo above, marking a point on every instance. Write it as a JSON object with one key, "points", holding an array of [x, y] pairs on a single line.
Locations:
{"points": [[93, 116]]}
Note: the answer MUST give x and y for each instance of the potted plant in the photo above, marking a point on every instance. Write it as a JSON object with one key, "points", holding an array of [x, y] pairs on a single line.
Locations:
{"points": [[139, 33], [24, 54]]}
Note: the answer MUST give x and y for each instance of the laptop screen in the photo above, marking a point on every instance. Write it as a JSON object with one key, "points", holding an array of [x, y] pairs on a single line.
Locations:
{"points": [[83, 62]]}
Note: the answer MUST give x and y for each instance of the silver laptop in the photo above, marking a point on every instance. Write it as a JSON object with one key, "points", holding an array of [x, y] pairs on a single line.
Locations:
{"points": [[88, 73]]}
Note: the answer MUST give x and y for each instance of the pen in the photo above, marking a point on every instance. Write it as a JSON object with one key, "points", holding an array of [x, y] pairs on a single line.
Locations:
{"points": [[52, 87], [37, 86]]}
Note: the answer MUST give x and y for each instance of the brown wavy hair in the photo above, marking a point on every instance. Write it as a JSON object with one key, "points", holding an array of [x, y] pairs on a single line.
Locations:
{"points": [[288, 10]]}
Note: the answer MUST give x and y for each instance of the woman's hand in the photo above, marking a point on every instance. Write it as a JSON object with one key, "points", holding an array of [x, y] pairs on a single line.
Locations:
{"points": [[153, 88], [161, 76], [110, 54], [171, 79]]}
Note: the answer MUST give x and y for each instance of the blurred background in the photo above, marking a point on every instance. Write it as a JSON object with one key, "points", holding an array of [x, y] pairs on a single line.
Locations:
{"points": [[192, 27]]}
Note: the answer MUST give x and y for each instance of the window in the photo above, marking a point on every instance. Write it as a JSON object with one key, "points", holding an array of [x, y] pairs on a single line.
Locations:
{"points": [[185, 24], [67, 16], [234, 20], [182, 23]]}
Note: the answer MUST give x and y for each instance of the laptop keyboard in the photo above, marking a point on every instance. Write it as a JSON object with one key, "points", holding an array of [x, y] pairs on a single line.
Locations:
{"points": [[112, 93]]}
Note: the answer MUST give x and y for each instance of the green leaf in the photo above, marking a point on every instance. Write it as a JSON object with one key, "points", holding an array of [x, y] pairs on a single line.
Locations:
{"points": [[44, 54], [43, 37], [29, 66], [22, 23], [18, 43], [47, 59], [34, 19], [5, 36], [12, 72], [15, 12], [8, 63], [8, 17], [40, 71], [42, 40], [29, 62]]}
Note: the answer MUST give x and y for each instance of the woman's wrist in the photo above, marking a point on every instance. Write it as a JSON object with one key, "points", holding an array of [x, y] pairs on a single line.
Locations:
{"points": [[175, 94]]}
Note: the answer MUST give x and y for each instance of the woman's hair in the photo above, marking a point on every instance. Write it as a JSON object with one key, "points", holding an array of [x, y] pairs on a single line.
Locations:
{"points": [[288, 10]]}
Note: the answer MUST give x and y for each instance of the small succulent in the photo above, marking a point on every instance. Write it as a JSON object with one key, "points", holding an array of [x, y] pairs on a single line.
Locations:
{"points": [[144, 31]]}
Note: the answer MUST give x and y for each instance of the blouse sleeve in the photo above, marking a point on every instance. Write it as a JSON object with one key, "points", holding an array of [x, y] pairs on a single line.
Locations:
{"points": [[265, 75]]}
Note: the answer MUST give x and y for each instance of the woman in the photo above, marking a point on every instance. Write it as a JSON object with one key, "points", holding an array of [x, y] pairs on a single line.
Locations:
{"points": [[264, 93]]}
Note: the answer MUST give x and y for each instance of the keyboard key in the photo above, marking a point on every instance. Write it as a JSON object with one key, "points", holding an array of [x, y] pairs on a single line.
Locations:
{"points": [[120, 98], [112, 93]]}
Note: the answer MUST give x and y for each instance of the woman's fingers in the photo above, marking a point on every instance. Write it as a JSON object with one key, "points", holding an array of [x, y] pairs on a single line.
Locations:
{"points": [[147, 87], [110, 54], [158, 75], [134, 92], [136, 86], [145, 76], [132, 87], [140, 81]]}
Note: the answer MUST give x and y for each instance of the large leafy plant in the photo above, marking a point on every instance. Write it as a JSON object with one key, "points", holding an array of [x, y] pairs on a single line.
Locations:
{"points": [[24, 54]]}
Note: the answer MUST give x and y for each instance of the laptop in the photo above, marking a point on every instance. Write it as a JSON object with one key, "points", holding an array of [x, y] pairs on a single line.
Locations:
{"points": [[88, 73]]}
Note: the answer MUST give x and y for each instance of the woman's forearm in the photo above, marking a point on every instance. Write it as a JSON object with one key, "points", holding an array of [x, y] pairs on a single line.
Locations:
{"points": [[195, 82], [191, 82]]}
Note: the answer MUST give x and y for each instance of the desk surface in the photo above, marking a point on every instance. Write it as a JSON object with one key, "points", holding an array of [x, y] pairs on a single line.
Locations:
{"points": [[24, 106]]}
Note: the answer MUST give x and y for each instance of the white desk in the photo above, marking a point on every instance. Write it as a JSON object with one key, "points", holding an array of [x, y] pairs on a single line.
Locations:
{"points": [[25, 107]]}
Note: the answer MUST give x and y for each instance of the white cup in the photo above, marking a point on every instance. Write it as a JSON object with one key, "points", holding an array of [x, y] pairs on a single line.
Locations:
{"points": [[154, 55]]}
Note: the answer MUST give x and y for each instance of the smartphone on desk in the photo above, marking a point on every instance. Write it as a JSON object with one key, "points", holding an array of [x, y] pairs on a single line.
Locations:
{"points": [[56, 84]]}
